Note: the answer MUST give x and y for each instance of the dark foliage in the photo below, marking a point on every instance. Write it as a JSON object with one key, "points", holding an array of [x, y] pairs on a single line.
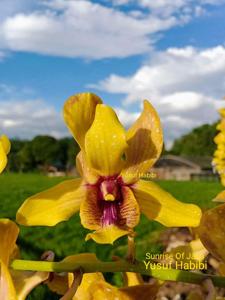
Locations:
{"points": [[199, 142], [42, 152]]}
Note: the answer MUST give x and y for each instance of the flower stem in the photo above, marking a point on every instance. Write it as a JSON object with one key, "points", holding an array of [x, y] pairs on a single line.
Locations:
{"points": [[117, 266], [131, 249], [75, 284]]}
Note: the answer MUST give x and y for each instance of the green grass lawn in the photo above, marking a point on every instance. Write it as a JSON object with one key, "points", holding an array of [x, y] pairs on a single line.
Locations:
{"points": [[68, 237]]}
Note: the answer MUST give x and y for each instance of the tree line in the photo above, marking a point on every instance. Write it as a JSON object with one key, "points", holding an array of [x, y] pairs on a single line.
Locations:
{"points": [[42, 152], [198, 142]]}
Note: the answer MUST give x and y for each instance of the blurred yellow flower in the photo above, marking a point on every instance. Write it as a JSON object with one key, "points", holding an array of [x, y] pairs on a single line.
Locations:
{"points": [[94, 287], [14, 285], [110, 194], [4, 150], [212, 231], [219, 154]]}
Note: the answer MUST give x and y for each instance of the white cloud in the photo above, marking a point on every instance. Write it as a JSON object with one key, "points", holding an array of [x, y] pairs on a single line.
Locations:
{"points": [[185, 85], [86, 29], [11, 7], [167, 7], [188, 8], [80, 29], [126, 118], [28, 118], [24, 116]]}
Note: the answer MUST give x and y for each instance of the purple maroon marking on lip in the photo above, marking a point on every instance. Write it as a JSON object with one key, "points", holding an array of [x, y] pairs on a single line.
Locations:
{"points": [[110, 210], [110, 213]]}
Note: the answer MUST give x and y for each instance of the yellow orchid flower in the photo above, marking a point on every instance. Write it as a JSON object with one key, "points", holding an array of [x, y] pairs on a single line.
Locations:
{"points": [[98, 289], [94, 287], [4, 150], [222, 112], [220, 197], [14, 285], [220, 138], [219, 155], [212, 231], [221, 126], [192, 252], [110, 195]]}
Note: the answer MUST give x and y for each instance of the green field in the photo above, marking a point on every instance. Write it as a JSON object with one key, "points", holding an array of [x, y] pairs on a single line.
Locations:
{"points": [[68, 237]]}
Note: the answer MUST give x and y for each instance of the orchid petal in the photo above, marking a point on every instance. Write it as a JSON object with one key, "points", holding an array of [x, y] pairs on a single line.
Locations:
{"points": [[161, 206], [129, 209], [193, 251], [25, 282], [102, 290], [7, 289], [79, 113], [219, 138], [90, 212], [88, 174], [94, 287], [145, 141], [105, 142], [61, 283], [222, 178], [220, 197], [221, 125], [140, 292], [222, 112], [212, 231], [107, 234], [8, 232], [5, 143], [52, 206], [3, 158], [84, 291], [131, 279]]}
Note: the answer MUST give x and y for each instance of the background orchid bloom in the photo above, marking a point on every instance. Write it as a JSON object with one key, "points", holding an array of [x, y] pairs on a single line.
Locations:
{"points": [[110, 194], [4, 150], [14, 285], [94, 287], [219, 154]]}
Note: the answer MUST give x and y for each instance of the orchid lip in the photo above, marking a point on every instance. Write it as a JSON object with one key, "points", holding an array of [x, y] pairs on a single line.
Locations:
{"points": [[109, 196], [109, 199], [110, 213]]}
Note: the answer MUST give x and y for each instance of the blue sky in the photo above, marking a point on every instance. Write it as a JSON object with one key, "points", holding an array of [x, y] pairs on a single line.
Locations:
{"points": [[170, 52]]}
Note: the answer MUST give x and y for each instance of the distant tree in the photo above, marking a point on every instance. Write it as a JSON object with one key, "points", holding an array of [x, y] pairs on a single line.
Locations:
{"points": [[14, 163], [45, 150], [199, 142], [42, 151], [68, 150], [26, 158]]}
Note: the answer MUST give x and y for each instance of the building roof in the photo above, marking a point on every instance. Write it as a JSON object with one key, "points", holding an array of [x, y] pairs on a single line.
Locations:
{"points": [[188, 162], [205, 162]]}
